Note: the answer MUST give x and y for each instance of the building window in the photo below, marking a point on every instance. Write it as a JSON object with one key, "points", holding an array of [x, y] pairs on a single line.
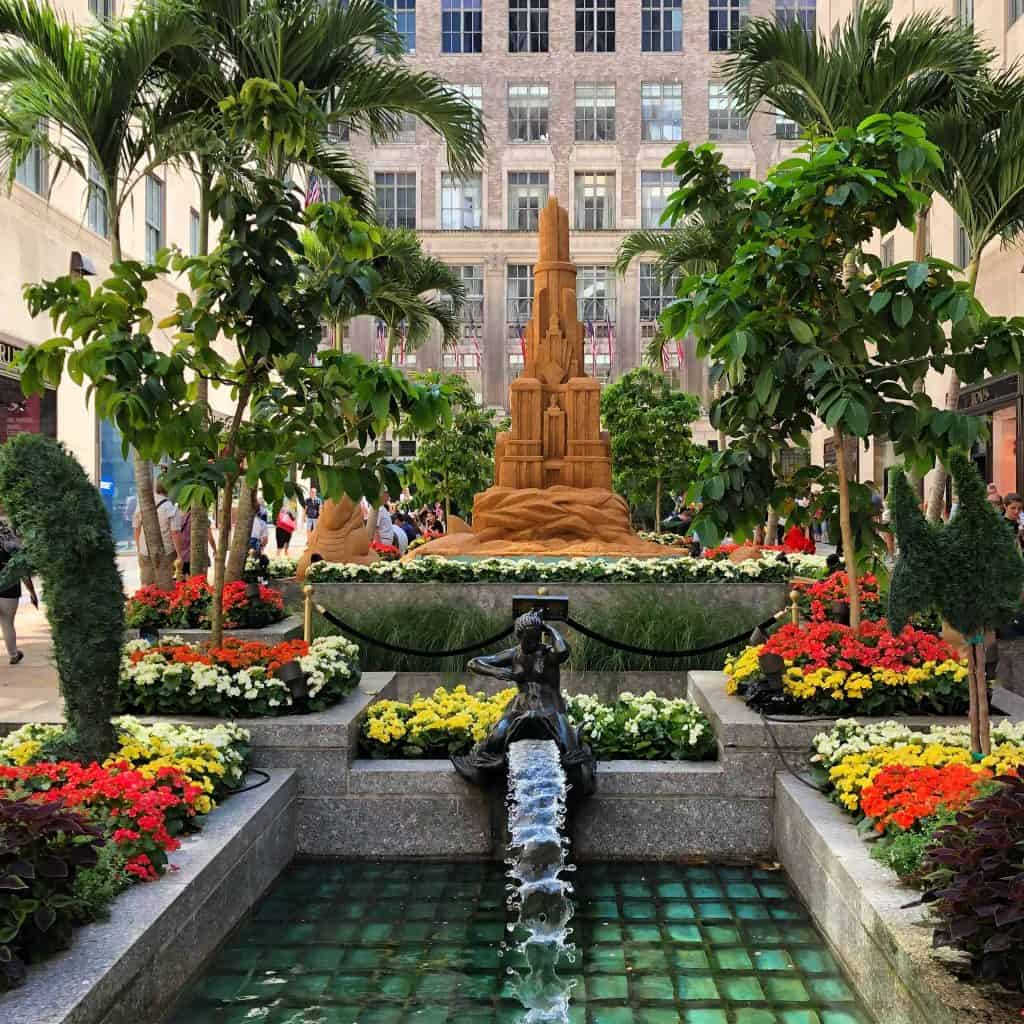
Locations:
{"points": [[527, 194], [406, 448], [461, 202], [965, 12], [725, 19], [473, 93], [96, 205], [33, 171], [802, 12], [785, 128], [595, 26], [595, 202], [154, 217], [467, 353], [661, 111], [527, 26], [738, 174], [655, 188], [102, 9], [528, 113], [336, 133], [396, 199], [1016, 10], [595, 112], [964, 252], [404, 12], [193, 232], [655, 293], [888, 251], [461, 26], [518, 293], [406, 134], [661, 26], [724, 121], [472, 275], [595, 294]]}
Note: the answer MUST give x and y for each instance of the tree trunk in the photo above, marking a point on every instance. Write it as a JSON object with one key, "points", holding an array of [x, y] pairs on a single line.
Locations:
{"points": [[241, 532], [937, 498], [219, 565], [657, 504], [920, 255], [980, 730], [389, 356], [199, 559], [772, 530], [846, 530]]}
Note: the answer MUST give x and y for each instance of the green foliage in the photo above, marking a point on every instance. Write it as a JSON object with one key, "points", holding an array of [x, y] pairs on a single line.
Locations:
{"points": [[42, 848], [455, 461], [969, 570], [95, 888], [427, 624], [649, 423], [801, 303], [903, 851], [67, 541]]}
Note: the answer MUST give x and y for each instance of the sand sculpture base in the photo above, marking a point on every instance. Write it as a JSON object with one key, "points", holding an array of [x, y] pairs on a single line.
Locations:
{"points": [[564, 521], [340, 536]]}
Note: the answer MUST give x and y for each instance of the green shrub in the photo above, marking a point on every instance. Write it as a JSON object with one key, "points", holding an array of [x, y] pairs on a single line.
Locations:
{"points": [[95, 888], [67, 541], [903, 852]]}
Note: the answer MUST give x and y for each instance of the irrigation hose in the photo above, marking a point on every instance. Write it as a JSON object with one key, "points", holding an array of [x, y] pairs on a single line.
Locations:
{"points": [[693, 652], [265, 778]]}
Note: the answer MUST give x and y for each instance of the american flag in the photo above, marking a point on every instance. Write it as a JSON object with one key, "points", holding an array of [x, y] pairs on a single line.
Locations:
{"points": [[475, 341], [588, 331], [381, 340], [664, 355], [314, 190], [522, 341], [679, 352], [610, 328]]}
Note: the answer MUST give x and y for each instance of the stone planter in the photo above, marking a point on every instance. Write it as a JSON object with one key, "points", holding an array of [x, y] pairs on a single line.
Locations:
{"points": [[289, 628]]}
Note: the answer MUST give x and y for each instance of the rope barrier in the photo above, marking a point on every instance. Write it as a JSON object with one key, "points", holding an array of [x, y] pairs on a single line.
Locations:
{"points": [[706, 649], [352, 631]]}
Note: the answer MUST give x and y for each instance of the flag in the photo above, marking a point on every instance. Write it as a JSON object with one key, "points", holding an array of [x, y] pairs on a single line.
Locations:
{"points": [[610, 328], [382, 346], [475, 341], [664, 356], [314, 190], [522, 341], [592, 338], [679, 352]]}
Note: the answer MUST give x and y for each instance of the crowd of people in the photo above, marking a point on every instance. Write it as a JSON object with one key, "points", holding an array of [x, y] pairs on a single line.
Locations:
{"points": [[400, 523]]}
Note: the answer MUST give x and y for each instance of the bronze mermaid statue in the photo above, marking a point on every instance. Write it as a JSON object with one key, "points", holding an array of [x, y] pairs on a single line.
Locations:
{"points": [[537, 712]]}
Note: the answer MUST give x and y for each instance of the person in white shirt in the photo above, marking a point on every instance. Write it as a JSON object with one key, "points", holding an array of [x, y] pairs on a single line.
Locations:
{"points": [[169, 518], [259, 536]]}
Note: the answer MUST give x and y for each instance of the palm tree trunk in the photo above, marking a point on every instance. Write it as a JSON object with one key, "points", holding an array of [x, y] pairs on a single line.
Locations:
{"points": [[199, 560], [920, 255], [846, 530], [390, 354], [937, 498]]}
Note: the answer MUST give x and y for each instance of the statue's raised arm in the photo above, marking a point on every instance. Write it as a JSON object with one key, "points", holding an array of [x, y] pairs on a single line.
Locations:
{"points": [[495, 666]]}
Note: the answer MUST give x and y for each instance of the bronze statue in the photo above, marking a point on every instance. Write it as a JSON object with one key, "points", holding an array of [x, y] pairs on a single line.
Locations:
{"points": [[537, 712]]}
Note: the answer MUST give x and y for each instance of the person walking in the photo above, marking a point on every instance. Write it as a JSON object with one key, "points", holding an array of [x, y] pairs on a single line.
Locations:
{"points": [[312, 511], [10, 595], [169, 518], [284, 527]]}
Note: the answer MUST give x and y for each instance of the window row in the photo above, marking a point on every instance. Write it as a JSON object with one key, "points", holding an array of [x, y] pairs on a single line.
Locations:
{"points": [[661, 24], [527, 192]]}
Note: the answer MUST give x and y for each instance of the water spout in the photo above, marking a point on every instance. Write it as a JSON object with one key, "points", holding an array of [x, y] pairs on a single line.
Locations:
{"points": [[540, 896]]}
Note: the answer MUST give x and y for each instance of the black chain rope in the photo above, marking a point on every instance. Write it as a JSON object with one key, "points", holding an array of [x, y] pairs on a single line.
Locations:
{"points": [[468, 649], [706, 649]]}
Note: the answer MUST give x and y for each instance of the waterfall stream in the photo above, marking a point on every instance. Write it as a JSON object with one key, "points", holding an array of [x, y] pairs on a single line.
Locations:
{"points": [[540, 896]]}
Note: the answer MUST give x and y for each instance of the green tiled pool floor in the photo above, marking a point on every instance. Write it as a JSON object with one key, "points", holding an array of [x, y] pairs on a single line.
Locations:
{"points": [[404, 943]]}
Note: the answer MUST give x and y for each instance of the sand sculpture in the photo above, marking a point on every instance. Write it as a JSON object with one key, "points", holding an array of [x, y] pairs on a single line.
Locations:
{"points": [[340, 536], [553, 470]]}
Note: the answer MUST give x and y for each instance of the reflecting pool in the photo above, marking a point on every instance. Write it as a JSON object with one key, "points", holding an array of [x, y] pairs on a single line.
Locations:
{"points": [[415, 943]]}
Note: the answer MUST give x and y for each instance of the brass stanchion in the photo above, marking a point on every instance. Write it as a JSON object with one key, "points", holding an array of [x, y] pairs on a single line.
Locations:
{"points": [[794, 600], [307, 613]]}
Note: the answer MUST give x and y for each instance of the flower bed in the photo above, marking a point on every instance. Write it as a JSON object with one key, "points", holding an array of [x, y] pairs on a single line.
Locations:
{"points": [[668, 540], [447, 722], [830, 670], [820, 600], [73, 836], [236, 679], [676, 569], [188, 606], [945, 822], [280, 567]]}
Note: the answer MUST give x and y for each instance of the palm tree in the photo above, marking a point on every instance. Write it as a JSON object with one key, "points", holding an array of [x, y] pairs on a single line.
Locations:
{"points": [[102, 87], [982, 179]]}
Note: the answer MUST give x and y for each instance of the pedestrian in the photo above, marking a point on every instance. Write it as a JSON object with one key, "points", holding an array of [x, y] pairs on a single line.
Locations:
{"points": [[284, 527], [1013, 505], [10, 594], [385, 530], [259, 536], [170, 533], [313, 505]]}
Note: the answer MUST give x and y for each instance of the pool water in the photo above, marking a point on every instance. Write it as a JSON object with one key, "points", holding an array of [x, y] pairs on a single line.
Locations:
{"points": [[415, 943]]}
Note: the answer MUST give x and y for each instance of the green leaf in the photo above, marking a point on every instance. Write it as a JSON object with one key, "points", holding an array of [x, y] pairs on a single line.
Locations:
{"points": [[917, 274], [801, 331], [902, 310], [857, 419], [879, 301]]}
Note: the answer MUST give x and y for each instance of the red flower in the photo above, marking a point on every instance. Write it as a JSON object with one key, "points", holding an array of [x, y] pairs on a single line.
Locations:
{"points": [[901, 795]]}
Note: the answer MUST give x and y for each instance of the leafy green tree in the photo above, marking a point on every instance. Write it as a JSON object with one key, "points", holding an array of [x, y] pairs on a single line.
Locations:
{"points": [[103, 88], [652, 443], [455, 460], [67, 541], [803, 336], [969, 570], [253, 291]]}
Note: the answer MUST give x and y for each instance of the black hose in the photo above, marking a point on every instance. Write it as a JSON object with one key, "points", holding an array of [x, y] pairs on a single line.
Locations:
{"points": [[706, 649], [256, 785], [468, 649]]}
